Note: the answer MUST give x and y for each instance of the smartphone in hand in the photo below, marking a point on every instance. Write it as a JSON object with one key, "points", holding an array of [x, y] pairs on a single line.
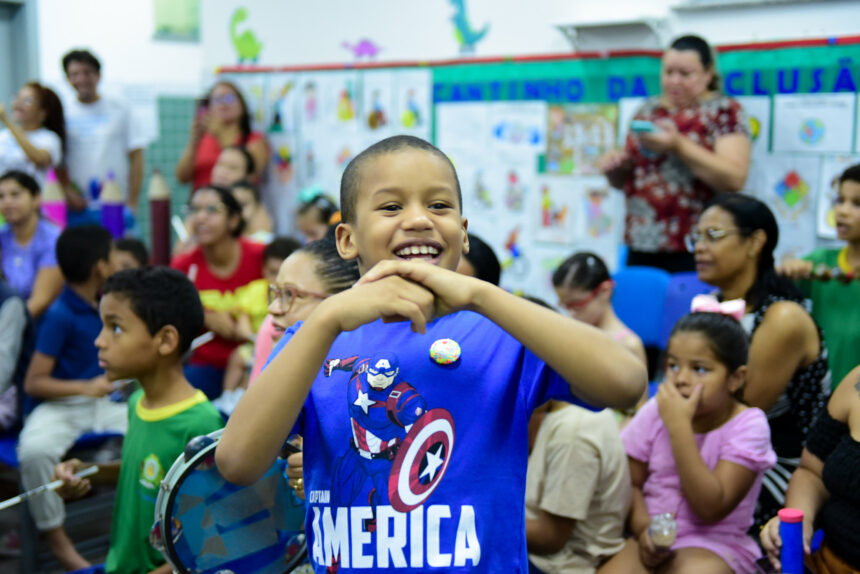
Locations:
{"points": [[643, 127]]}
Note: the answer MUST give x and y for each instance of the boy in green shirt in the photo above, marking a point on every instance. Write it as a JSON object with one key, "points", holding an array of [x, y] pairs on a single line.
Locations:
{"points": [[836, 304], [150, 317]]}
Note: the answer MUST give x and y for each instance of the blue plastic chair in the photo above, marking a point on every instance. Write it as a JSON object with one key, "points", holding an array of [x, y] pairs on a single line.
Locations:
{"points": [[638, 300], [679, 294]]}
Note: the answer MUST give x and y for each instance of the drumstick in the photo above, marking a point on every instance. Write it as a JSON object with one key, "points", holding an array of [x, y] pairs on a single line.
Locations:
{"points": [[54, 485]]}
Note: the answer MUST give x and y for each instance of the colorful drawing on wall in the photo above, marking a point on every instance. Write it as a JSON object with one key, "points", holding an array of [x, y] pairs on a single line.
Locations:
{"points": [[245, 42], [364, 48], [757, 111], [480, 193], [811, 131], [282, 96], [283, 159], [831, 168], [578, 135], [598, 220], [467, 37], [813, 122], [517, 130], [788, 188], [376, 102], [346, 104], [412, 115], [555, 220], [344, 155], [310, 102], [514, 192], [793, 190], [309, 162], [413, 102], [514, 260]]}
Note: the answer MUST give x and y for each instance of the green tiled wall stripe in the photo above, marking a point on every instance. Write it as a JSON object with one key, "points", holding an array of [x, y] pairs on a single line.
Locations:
{"points": [[175, 115]]}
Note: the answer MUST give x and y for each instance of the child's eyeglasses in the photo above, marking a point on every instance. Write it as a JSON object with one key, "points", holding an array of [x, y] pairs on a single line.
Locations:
{"points": [[576, 306], [212, 209], [288, 294], [710, 236]]}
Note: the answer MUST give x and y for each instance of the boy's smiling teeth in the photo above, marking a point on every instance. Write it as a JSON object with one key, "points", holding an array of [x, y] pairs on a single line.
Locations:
{"points": [[417, 250]]}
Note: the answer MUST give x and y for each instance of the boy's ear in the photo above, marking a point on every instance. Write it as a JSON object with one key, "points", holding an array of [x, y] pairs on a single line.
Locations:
{"points": [[344, 235], [737, 379], [167, 340], [465, 226]]}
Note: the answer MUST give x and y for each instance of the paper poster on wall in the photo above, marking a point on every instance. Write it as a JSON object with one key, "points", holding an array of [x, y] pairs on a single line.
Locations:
{"points": [[555, 210], [518, 128], [757, 111], [283, 102], [813, 123], [462, 132], [577, 135], [340, 96], [413, 102], [627, 108], [310, 104], [281, 186], [789, 190], [832, 167], [377, 103], [601, 215]]}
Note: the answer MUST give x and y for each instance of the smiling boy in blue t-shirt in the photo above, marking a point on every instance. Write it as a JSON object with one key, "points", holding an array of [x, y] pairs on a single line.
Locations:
{"points": [[413, 389]]}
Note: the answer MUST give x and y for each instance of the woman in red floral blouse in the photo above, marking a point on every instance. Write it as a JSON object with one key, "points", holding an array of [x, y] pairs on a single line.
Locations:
{"points": [[700, 146]]}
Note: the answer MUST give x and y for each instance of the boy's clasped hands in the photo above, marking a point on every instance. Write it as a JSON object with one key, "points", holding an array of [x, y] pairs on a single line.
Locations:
{"points": [[412, 291]]}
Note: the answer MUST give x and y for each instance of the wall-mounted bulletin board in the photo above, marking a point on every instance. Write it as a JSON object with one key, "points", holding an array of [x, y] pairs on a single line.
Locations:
{"points": [[524, 135]]}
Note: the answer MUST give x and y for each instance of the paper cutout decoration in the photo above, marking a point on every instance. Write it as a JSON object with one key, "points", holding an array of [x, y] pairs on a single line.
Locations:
{"points": [[245, 43], [813, 123]]}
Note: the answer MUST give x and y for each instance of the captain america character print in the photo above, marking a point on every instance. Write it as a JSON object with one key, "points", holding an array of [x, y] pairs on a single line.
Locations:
{"points": [[398, 445]]}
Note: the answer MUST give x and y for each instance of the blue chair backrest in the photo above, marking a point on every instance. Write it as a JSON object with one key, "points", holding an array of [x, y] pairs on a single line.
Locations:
{"points": [[640, 293], [679, 294]]}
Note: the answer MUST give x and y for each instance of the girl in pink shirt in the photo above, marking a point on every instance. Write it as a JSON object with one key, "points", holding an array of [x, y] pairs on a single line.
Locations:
{"points": [[697, 452]]}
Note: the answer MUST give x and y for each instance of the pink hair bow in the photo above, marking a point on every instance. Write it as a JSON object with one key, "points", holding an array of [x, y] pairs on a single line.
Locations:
{"points": [[709, 304]]}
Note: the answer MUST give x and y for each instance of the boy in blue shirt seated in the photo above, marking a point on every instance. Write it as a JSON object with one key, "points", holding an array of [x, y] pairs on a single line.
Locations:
{"points": [[150, 317], [65, 374], [413, 389]]}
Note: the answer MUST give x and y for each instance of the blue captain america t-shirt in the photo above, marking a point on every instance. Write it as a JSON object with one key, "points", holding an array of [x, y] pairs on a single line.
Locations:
{"points": [[412, 464]]}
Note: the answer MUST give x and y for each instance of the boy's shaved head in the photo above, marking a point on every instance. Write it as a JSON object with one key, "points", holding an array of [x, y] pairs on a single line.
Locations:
{"points": [[351, 180]]}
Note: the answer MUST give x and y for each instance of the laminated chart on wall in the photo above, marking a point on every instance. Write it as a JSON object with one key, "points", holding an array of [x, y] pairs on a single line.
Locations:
{"points": [[757, 113], [817, 123], [789, 185], [413, 103], [627, 108], [578, 135], [832, 167]]}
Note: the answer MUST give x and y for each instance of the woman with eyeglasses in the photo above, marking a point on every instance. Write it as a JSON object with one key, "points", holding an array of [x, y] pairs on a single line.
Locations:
{"points": [[222, 120], [227, 270], [683, 146], [788, 376], [35, 137]]}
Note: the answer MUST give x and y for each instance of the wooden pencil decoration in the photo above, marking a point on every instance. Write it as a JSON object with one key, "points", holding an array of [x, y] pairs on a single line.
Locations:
{"points": [[53, 201], [112, 207], [159, 218]]}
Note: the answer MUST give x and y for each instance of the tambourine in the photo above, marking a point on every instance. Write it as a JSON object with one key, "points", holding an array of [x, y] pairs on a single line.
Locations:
{"points": [[206, 525]]}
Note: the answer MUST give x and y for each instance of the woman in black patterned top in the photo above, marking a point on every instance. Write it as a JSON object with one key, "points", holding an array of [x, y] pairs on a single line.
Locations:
{"points": [[788, 376], [826, 486]]}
